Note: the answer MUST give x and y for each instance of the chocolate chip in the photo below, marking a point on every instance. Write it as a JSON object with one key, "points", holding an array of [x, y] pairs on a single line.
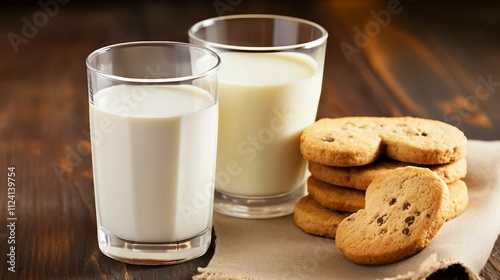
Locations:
{"points": [[406, 206], [381, 220], [424, 134], [410, 220], [393, 201], [406, 231], [328, 139]]}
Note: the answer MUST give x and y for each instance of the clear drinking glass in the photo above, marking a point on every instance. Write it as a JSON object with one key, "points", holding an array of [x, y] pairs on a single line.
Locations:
{"points": [[269, 86], [153, 120]]}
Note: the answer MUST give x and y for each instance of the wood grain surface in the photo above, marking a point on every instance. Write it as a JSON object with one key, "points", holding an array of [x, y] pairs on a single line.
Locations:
{"points": [[384, 58]]}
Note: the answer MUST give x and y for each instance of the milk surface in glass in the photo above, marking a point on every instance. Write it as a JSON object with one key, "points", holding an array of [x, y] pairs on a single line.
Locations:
{"points": [[266, 100], [152, 151]]}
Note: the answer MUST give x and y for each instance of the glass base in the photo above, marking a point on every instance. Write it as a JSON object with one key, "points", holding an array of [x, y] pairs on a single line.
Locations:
{"points": [[257, 207], [153, 253]]}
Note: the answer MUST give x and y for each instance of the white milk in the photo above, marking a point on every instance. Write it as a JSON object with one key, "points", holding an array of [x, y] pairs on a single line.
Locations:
{"points": [[153, 150], [266, 100]]}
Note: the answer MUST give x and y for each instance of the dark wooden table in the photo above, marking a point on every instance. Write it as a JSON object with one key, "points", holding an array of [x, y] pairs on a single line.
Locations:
{"points": [[386, 58]]}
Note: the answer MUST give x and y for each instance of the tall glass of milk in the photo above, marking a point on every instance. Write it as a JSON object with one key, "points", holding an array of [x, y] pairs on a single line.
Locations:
{"points": [[269, 87], [153, 120]]}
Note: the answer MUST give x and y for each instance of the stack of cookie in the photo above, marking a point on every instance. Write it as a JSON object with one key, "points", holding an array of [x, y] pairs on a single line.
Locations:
{"points": [[346, 154]]}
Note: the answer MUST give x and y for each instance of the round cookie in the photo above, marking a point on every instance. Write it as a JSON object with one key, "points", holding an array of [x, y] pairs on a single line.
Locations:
{"points": [[335, 197], [359, 177], [356, 141], [314, 219], [459, 198], [404, 211]]}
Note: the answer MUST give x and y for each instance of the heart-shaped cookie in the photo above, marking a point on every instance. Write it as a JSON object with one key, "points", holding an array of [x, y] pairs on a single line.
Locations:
{"points": [[356, 141], [403, 212]]}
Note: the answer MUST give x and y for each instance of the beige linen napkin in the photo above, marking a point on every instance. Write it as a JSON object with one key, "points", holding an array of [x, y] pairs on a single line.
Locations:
{"points": [[277, 249]]}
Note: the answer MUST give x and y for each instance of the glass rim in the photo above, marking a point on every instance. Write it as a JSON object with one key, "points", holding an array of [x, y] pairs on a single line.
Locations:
{"points": [[207, 22], [108, 48]]}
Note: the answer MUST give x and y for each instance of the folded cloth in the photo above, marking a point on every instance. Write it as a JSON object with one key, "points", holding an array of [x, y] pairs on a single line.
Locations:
{"points": [[277, 249]]}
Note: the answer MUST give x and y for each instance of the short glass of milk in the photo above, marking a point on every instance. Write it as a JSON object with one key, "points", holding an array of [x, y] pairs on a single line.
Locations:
{"points": [[153, 120], [269, 88]]}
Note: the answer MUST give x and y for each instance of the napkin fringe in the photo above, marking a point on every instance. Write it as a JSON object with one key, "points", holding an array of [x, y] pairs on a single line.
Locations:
{"points": [[219, 276], [430, 269]]}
